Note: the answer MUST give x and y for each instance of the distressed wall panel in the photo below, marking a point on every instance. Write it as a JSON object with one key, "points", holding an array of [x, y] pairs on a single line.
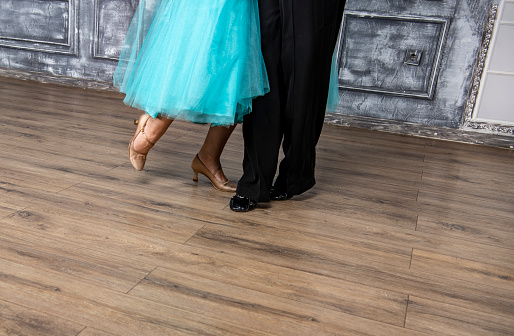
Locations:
{"points": [[446, 108], [40, 25], [76, 61], [398, 55]]}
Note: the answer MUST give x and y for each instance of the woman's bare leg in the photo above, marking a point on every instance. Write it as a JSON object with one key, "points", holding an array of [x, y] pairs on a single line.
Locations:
{"points": [[154, 130], [212, 148]]}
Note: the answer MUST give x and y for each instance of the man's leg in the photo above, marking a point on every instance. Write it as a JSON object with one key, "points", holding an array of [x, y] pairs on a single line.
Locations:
{"points": [[316, 26], [262, 128]]}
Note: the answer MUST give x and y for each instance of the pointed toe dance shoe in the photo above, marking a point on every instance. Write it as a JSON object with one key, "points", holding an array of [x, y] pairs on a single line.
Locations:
{"points": [[240, 203], [198, 167], [138, 159]]}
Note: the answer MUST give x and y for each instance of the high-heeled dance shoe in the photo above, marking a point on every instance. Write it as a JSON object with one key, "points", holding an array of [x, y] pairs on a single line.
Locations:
{"points": [[138, 159], [198, 167]]}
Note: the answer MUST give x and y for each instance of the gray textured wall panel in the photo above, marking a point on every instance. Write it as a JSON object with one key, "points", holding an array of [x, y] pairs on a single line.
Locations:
{"points": [[40, 25], [459, 55], [390, 54], [75, 61], [29, 20]]}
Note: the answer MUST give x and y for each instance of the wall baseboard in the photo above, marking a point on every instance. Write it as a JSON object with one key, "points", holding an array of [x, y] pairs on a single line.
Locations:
{"points": [[54, 79], [460, 135]]}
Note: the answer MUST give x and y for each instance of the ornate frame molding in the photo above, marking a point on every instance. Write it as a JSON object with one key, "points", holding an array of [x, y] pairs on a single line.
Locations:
{"points": [[478, 72]]}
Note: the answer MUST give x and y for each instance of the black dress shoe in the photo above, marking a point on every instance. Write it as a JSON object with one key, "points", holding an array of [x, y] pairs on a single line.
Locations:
{"points": [[276, 195], [242, 204]]}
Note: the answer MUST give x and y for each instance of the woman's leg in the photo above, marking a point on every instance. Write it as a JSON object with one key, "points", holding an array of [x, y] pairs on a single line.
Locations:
{"points": [[212, 148], [154, 130]]}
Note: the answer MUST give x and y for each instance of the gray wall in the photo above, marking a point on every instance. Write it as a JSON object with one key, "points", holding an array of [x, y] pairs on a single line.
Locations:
{"points": [[82, 38], [75, 38], [372, 59]]}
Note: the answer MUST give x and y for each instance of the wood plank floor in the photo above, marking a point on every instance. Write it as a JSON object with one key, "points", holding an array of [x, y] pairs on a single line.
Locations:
{"points": [[401, 235]]}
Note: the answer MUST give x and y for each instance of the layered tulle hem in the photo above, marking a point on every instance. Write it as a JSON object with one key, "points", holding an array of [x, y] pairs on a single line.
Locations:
{"points": [[198, 116]]}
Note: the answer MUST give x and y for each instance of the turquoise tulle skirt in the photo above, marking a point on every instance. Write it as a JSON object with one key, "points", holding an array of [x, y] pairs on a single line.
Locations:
{"points": [[333, 89], [199, 60]]}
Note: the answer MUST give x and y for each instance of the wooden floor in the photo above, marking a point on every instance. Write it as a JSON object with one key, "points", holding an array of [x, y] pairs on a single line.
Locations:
{"points": [[401, 235]]}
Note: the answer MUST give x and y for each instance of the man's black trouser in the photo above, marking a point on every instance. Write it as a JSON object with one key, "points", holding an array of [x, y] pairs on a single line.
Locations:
{"points": [[298, 41]]}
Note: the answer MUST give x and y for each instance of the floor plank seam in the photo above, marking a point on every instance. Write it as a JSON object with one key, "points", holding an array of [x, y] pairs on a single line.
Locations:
{"points": [[192, 236], [69, 187], [406, 311], [130, 290], [411, 254], [80, 332]]}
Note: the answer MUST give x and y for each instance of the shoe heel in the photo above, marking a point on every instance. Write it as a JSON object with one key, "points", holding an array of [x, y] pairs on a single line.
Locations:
{"points": [[198, 167]]}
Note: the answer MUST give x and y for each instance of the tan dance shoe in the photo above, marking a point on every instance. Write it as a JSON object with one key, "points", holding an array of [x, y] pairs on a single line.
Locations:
{"points": [[138, 159], [199, 167]]}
